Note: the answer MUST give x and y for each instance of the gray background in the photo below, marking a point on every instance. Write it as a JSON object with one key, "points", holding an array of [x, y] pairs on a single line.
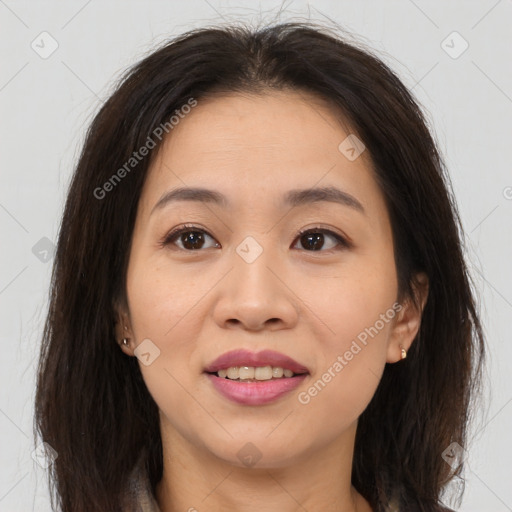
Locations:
{"points": [[46, 103]]}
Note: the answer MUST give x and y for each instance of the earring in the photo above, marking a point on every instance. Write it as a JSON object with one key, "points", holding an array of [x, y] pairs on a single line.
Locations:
{"points": [[403, 353], [125, 341]]}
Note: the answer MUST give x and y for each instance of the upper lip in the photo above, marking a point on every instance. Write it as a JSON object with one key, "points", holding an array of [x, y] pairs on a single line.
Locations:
{"points": [[242, 357]]}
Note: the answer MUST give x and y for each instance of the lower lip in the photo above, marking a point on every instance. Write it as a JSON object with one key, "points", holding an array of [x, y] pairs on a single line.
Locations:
{"points": [[255, 393]]}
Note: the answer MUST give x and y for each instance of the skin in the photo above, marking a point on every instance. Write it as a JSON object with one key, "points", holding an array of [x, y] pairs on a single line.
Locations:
{"points": [[194, 305]]}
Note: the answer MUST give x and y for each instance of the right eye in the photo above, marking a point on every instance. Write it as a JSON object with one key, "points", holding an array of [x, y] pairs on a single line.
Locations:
{"points": [[192, 238]]}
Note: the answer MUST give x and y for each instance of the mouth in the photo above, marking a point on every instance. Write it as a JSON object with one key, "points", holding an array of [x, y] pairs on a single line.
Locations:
{"points": [[245, 365], [255, 378]]}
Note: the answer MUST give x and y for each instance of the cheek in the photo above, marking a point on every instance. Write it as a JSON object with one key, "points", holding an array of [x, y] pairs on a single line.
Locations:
{"points": [[356, 314], [160, 299], [165, 307], [351, 363], [355, 300], [162, 310], [360, 315]]}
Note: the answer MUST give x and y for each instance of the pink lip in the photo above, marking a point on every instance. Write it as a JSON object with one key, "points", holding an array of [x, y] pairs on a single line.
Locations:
{"points": [[255, 393], [243, 357]]}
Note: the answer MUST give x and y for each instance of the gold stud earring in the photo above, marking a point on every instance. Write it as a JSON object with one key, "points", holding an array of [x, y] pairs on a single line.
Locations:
{"points": [[403, 354]]}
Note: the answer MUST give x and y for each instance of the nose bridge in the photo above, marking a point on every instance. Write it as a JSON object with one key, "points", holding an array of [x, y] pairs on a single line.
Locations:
{"points": [[254, 293], [253, 260]]}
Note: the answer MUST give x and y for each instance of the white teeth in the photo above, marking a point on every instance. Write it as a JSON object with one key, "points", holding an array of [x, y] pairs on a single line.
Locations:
{"points": [[254, 372], [263, 373], [233, 372], [246, 372], [277, 372]]}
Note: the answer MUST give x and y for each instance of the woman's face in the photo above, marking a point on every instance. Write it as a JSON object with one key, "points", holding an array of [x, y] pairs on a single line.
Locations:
{"points": [[242, 277]]}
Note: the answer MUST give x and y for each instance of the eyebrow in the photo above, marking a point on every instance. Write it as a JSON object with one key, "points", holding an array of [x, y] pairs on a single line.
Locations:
{"points": [[292, 198]]}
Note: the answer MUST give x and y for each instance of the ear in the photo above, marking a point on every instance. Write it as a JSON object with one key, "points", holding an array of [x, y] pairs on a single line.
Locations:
{"points": [[408, 319], [123, 329]]}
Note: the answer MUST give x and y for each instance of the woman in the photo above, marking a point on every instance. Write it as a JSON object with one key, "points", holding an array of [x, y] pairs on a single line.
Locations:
{"points": [[259, 299]]}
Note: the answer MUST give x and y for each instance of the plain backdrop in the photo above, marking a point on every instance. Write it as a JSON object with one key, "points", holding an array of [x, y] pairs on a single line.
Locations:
{"points": [[59, 61]]}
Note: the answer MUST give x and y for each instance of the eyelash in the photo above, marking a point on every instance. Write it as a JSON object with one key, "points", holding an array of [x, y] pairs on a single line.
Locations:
{"points": [[168, 239]]}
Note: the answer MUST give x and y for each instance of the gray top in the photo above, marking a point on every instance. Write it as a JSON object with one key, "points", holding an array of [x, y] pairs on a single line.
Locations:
{"points": [[140, 492]]}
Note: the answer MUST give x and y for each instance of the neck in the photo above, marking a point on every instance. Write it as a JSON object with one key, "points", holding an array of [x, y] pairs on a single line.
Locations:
{"points": [[194, 479]]}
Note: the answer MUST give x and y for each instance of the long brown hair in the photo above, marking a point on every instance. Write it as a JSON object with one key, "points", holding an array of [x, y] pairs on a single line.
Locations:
{"points": [[92, 406]]}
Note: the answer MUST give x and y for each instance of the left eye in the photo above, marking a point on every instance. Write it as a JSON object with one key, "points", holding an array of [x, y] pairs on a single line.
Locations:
{"points": [[193, 238], [315, 237]]}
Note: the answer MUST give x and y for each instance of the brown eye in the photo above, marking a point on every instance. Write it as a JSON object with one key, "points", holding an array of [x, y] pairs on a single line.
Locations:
{"points": [[190, 238], [315, 239]]}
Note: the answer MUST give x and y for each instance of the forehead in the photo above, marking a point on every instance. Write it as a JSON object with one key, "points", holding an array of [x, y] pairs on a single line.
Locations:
{"points": [[271, 122], [259, 146]]}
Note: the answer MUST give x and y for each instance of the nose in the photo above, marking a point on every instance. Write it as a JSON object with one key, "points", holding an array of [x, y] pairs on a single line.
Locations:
{"points": [[256, 295]]}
